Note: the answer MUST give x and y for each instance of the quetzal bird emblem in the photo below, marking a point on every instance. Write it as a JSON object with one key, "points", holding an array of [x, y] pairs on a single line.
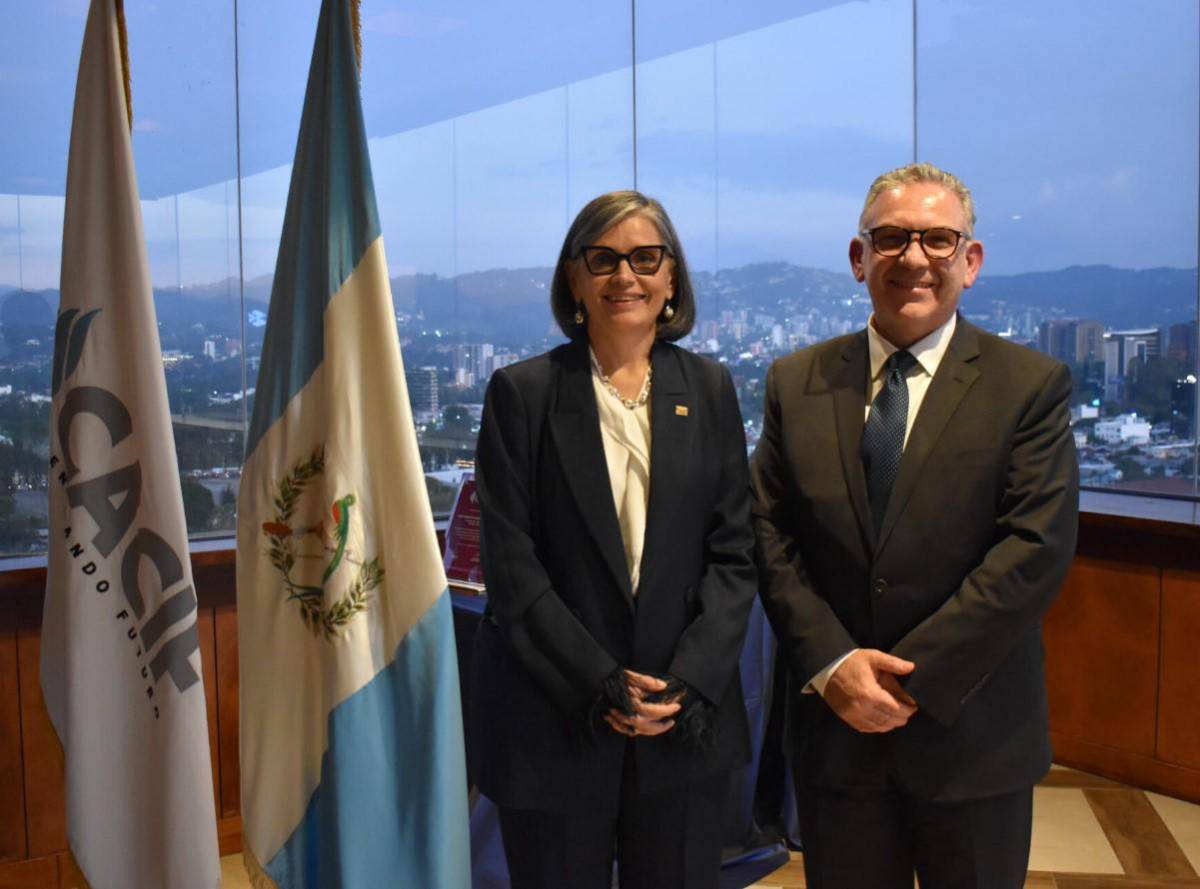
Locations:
{"points": [[341, 528], [323, 610]]}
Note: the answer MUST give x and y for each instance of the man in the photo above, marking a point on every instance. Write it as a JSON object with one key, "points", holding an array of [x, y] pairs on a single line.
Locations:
{"points": [[916, 492]]}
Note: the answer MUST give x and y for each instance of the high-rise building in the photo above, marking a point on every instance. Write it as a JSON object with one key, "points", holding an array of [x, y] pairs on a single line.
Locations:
{"points": [[1181, 342], [472, 362], [423, 390], [1053, 339], [1124, 346], [502, 359], [1076, 341], [1089, 341]]}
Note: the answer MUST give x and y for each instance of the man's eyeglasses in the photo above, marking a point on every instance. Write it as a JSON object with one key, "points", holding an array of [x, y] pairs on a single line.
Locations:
{"points": [[892, 240], [642, 260]]}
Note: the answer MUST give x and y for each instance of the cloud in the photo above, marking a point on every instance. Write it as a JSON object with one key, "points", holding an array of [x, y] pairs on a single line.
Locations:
{"points": [[1082, 187], [146, 126], [411, 24], [71, 9], [1119, 180]]}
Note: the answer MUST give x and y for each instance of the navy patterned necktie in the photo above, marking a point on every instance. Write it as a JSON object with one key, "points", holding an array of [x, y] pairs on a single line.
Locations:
{"points": [[883, 434]]}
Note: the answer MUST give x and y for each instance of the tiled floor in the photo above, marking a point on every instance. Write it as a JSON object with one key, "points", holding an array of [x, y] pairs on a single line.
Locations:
{"points": [[233, 873], [1088, 833], [1091, 833]]}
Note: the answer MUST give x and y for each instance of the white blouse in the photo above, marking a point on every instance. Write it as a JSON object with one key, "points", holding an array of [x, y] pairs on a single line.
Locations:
{"points": [[626, 436]]}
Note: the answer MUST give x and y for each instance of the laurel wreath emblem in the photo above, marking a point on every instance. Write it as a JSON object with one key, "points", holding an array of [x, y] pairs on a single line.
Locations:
{"points": [[287, 553]]}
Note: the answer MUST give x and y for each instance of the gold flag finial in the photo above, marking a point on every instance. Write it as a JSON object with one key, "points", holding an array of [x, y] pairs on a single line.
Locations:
{"points": [[124, 43], [356, 26]]}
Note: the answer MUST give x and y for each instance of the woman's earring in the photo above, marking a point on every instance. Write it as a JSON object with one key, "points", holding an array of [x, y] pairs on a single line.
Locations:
{"points": [[578, 313], [668, 312]]}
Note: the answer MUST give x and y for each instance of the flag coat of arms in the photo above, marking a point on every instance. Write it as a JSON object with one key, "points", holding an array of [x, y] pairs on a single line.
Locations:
{"points": [[351, 730], [120, 662]]}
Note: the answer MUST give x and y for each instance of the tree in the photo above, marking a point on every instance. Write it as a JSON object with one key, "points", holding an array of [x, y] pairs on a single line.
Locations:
{"points": [[441, 495], [1087, 384], [198, 505], [1131, 469], [1151, 384], [457, 422]]}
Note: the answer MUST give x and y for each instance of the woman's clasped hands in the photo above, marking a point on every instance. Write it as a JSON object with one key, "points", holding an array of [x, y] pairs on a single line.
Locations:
{"points": [[649, 713]]}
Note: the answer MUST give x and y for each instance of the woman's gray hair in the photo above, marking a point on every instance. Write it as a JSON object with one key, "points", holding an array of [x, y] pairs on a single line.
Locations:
{"points": [[593, 221]]}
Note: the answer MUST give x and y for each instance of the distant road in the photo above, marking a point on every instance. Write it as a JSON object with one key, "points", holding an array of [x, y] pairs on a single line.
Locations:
{"points": [[206, 422]]}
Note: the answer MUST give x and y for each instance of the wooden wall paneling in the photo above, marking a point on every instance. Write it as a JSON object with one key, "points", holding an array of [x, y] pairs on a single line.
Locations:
{"points": [[229, 835], [1179, 691], [45, 800], [208, 656], [227, 708], [37, 873], [1145, 772], [12, 782], [1165, 544], [1102, 654]]}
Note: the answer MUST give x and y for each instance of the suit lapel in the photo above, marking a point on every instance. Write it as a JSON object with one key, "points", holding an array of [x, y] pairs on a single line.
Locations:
{"points": [[673, 422], [955, 375], [848, 382], [575, 426]]}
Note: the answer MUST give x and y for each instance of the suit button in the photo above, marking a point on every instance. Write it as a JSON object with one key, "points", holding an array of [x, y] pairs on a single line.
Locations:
{"points": [[880, 586]]}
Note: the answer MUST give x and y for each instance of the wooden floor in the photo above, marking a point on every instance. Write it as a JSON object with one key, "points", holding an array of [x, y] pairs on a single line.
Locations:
{"points": [[1088, 833]]}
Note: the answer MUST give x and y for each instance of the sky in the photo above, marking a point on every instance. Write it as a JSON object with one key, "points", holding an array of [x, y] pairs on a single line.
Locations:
{"points": [[759, 125]]}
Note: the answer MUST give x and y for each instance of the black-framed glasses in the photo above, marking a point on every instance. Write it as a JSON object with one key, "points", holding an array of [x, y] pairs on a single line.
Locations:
{"points": [[644, 260], [892, 240]]}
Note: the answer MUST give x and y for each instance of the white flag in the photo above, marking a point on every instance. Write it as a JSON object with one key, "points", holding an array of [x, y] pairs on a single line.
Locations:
{"points": [[120, 649]]}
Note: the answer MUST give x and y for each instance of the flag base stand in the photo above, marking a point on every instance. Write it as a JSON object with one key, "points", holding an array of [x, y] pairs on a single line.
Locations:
{"points": [[259, 878]]}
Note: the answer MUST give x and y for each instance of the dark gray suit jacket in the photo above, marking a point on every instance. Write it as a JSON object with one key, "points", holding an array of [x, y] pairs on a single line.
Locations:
{"points": [[978, 535], [561, 615]]}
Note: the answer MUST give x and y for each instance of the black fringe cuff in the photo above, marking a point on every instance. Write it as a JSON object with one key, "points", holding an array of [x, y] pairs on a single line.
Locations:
{"points": [[696, 721], [614, 695]]}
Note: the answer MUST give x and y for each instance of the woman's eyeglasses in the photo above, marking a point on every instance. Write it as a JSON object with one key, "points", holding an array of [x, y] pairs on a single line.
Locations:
{"points": [[642, 260]]}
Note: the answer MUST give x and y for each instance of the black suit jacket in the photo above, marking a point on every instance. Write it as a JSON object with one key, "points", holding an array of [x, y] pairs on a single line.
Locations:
{"points": [[977, 537], [561, 614]]}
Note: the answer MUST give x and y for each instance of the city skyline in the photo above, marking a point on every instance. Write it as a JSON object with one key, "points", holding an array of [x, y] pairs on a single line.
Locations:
{"points": [[759, 127], [1133, 412]]}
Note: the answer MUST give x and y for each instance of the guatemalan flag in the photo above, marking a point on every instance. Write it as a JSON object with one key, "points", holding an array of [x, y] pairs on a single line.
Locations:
{"points": [[351, 729]]}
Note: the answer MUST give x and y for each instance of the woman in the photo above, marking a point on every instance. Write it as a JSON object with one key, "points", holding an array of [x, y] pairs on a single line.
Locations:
{"points": [[618, 556]]}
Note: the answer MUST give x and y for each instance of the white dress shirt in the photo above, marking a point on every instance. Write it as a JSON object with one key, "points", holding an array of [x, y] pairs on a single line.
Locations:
{"points": [[929, 352], [626, 437]]}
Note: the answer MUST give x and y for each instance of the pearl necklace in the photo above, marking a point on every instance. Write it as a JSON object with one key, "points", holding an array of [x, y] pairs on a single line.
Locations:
{"points": [[631, 403]]}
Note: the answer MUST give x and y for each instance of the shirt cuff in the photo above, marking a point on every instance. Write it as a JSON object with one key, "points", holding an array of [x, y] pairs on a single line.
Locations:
{"points": [[817, 684]]}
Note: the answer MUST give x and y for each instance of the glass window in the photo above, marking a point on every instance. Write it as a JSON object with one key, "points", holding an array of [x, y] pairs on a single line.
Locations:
{"points": [[489, 127], [758, 125], [185, 153], [761, 139], [1079, 141]]}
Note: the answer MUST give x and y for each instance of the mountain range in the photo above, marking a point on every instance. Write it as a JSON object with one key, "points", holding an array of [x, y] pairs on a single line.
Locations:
{"points": [[511, 305]]}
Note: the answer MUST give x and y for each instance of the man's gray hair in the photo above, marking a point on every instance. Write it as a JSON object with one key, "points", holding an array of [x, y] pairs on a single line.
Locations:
{"points": [[922, 173]]}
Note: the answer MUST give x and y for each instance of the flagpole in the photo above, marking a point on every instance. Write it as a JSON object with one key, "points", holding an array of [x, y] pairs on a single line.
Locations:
{"points": [[123, 41]]}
